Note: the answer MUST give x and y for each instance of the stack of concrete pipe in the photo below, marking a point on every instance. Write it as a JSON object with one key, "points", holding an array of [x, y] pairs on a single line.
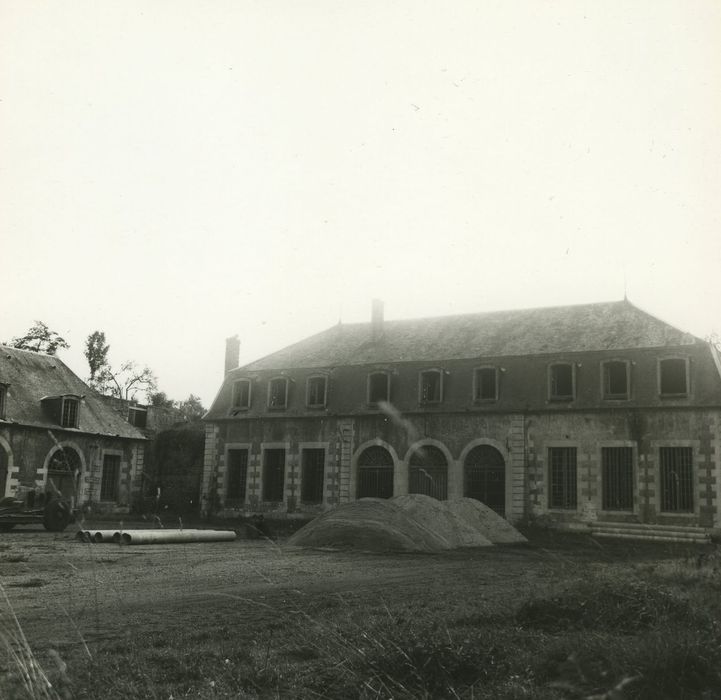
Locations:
{"points": [[154, 536]]}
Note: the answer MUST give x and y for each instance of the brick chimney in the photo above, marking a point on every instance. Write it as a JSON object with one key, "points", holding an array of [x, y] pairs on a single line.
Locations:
{"points": [[377, 318], [232, 353]]}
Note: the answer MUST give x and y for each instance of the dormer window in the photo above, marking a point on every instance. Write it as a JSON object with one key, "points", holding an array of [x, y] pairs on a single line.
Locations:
{"points": [[379, 387], [673, 377], [278, 393], [241, 394], [316, 390], [63, 410], [138, 416], [3, 399], [485, 384], [70, 412], [431, 386], [561, 382]]}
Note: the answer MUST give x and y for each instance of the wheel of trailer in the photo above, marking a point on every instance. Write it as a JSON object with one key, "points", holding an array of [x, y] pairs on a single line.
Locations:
{"points": [[57, 516]]}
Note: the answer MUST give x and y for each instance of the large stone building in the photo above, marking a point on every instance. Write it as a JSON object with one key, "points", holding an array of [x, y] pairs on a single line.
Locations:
{"points": [[576, 413], [57, 433]]}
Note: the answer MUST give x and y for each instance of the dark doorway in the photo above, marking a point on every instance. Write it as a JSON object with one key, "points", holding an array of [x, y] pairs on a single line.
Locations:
{"points": [[484, 476]]}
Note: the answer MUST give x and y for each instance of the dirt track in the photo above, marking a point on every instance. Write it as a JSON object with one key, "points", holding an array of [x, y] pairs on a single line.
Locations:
{"points": [[63, 590]]}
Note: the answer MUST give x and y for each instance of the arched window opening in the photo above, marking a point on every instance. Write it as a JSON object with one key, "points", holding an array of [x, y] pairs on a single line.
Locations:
{"points": [[428, 472], [63, 472], [484, 477], [375, 473]]}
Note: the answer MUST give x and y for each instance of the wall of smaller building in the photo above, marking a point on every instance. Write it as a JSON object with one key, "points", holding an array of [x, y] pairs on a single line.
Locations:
{"points": [[30, 451]]}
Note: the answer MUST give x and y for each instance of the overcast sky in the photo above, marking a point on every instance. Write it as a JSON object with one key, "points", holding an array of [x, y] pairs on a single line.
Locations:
{"points": [[176, 172]]}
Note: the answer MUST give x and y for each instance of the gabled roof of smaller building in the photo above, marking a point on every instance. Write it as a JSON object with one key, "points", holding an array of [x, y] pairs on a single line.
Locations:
{"points": [[563, 329], [33, 377]]}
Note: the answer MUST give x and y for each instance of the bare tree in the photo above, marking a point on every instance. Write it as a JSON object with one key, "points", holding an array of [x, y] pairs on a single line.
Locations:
{"points": [[125, 382]]}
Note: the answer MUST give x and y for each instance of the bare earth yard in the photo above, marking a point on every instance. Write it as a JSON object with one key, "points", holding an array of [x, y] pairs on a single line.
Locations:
{"points": [[253, 618]]}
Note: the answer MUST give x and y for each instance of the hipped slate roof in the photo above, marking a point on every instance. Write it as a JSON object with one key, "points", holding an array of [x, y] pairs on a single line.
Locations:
{"points": [[33, 376], [604, 326]]}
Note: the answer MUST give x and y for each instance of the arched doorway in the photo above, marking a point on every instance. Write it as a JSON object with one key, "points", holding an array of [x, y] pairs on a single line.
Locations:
{"points": [[375, 473], [484, 477], [428, 472], [63, 472]]}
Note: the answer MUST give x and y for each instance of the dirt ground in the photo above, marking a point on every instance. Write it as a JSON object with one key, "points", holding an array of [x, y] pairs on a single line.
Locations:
{"points": [[68, 593]]}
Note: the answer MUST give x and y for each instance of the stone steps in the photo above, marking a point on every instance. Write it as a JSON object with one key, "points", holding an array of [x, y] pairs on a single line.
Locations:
{"points": [[659, 533]]}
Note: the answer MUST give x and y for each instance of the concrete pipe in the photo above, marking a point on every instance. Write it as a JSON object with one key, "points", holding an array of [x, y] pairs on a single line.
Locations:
{"points": [[171, 536], [96, 535]]}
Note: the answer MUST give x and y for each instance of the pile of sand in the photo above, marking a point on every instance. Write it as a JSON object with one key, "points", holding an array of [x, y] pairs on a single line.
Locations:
{"points": [[413, 523]]}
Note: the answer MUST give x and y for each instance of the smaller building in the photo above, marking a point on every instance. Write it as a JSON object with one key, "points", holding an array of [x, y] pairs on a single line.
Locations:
{"points": [[58, 433]]}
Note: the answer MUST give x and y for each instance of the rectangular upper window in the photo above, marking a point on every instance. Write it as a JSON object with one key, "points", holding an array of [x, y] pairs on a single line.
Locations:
{"points": [[316, 392], [431, 386], [561, 382], [3, 399], [241, 394], [673, 377], [278, 393], [485, 384], [615, 379], [70, 412], [379, 387]]}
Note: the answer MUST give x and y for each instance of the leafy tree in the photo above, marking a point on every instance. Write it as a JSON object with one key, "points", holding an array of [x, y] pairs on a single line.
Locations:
{"points": [[96, 353], [160, 398], [39, 338], [191, 409]]}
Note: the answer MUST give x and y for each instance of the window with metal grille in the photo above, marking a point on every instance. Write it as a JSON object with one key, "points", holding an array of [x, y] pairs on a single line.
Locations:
{"points": [[378, 387], [615, 380], [312, 475], [561, 384], [3, 395], [562, 478], [110, 478], [316, 392], [70, 413], [278, 393], [431, 388], [241, 394], [617, 478], [673, 380], [676, 479], [273, 474], [236, 475], [485, 384], [375, 473], [428, 472]]}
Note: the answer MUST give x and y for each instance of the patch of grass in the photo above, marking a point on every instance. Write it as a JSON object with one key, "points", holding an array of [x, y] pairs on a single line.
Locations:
{"points": [[624, 605], [28, 583], [14, 558]]}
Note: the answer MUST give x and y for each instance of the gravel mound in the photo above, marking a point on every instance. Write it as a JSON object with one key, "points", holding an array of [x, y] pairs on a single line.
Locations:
{"points": [[413, 523], [485, 520]]}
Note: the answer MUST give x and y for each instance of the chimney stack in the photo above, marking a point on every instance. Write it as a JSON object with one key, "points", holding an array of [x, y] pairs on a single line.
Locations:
{"points": [[377, 318], [232, 353]]}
